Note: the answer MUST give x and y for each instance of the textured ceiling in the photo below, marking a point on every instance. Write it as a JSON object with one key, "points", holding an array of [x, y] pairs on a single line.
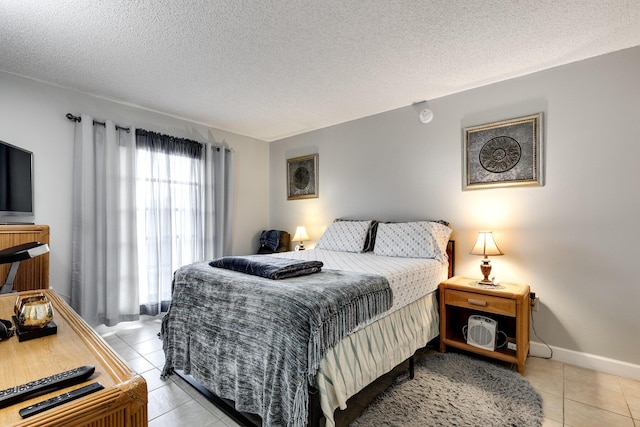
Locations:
{"points": [[271, 69]]}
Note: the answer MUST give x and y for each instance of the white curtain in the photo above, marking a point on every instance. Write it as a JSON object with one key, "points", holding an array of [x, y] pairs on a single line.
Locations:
{"points": [[169, 213], [104, 276], [144, 204], [218, 171], [183, 210]]}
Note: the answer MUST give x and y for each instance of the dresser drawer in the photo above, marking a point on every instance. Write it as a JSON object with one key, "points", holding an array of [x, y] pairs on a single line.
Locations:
{"points": [[481, 302]]}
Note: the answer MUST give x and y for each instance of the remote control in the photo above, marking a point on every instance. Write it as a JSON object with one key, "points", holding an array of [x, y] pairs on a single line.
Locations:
{"points": [[59, 400], [63, 379]]}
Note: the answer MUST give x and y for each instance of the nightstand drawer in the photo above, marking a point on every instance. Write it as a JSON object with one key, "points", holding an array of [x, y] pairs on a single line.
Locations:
{"points": [[486, 303]]}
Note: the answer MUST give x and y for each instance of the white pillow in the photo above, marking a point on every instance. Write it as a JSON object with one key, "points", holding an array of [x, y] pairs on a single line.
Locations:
{"points": [[421, 239], [345, 236]]}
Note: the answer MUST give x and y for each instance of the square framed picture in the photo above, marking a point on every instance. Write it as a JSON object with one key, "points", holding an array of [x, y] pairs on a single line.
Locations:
{"points": [[505, 153], [302, 177]]}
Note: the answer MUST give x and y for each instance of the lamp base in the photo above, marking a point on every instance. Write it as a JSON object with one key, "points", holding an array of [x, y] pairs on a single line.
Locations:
{"points": [[485, 268]]}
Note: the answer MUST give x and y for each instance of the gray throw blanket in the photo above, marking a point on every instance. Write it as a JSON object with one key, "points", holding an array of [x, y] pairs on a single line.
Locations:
{"points": [[268, 266], [259, 342]]}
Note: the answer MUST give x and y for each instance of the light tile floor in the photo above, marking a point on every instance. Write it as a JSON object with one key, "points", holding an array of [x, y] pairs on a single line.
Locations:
{"points": [[572, 396]]}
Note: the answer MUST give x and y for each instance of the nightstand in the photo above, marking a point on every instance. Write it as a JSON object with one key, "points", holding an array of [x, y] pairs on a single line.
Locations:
{"points": [[509, 305]]}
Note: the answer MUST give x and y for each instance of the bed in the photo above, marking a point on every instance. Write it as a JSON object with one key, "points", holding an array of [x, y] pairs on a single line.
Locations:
{"points": [[385, 307]]}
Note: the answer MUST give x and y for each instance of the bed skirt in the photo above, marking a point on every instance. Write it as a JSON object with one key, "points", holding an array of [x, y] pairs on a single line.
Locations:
{"points": [[373, 351]]}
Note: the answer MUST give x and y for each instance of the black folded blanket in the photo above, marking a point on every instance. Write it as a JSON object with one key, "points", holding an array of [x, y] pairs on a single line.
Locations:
{"points": [[268, 266]]}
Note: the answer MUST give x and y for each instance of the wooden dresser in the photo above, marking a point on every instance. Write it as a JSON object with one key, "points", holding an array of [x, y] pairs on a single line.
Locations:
{"points": [[32, 273], [122, 402]]}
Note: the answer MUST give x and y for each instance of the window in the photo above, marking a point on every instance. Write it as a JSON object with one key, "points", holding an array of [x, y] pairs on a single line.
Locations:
{"points": [[169, 190]]}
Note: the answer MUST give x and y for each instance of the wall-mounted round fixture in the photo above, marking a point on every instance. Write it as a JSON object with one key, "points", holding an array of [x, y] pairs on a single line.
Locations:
{"points": [[424, 112], [426, 115]]}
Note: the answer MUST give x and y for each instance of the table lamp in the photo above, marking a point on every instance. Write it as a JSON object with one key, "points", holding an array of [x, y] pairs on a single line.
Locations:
{"points": [[300, 236], [485, 246]]}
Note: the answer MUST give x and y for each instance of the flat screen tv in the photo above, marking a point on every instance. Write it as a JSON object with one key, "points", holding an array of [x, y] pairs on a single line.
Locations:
{"points": [[16, 180]]}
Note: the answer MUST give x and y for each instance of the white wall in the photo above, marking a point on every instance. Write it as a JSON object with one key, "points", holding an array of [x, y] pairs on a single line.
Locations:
{"points": [[32, 116], [575, 240]]}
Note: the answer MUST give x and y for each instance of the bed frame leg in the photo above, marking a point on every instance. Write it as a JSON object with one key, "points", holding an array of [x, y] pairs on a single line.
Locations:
{"points": [[315, 412], [411, 367]]}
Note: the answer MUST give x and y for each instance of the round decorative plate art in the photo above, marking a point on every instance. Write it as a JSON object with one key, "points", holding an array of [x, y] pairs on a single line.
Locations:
{"points": [[302, 177], [504, 153]]}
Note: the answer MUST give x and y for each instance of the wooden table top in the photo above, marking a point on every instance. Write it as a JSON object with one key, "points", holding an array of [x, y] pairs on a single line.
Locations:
{"points": [[75, 344]]}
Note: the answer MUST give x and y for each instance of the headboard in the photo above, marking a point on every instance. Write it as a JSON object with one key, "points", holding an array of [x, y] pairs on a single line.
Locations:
{"points": [[451, 253]]}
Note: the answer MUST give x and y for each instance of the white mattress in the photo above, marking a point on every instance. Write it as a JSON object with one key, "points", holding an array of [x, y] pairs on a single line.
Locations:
{"points": [[410, 278]]}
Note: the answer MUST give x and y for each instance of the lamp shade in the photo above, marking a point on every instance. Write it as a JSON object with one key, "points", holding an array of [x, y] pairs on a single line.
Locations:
{"points": [[301, 234], [485, 245]]}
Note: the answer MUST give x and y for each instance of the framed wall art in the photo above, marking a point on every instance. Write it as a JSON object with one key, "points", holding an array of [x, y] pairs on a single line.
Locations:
{"points": [[302, 177], [505, 153]]}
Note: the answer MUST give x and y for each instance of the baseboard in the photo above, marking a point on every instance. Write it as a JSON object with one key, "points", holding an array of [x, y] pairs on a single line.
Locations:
{"points": [[586, 360]]}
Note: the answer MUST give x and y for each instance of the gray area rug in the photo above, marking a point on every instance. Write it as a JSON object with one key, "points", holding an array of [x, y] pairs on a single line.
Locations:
{"points": [[456, 390]]}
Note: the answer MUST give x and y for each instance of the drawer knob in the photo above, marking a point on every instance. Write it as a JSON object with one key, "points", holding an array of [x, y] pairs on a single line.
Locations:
{"points": [[477, 302]]}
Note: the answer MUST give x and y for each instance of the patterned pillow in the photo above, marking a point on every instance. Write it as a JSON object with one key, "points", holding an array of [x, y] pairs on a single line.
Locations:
{"points": [[345, 236], [421, 239], [371, 234]]}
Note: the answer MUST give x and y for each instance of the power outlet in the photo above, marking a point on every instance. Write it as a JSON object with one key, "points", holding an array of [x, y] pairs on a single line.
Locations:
{"points": [[511, 346], [535, 302]]}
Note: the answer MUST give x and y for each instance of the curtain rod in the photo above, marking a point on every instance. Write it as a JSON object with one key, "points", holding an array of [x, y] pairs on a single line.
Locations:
{"points": [[95, 122]]}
